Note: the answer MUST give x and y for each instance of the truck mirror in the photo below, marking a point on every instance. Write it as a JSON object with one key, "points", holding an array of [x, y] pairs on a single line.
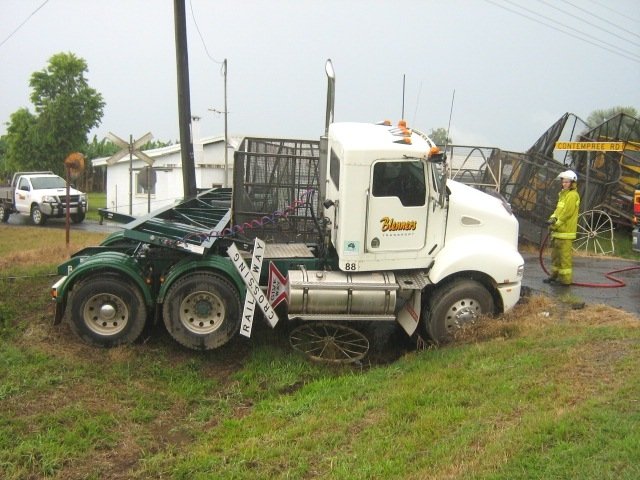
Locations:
{"points": [[438, 157]]}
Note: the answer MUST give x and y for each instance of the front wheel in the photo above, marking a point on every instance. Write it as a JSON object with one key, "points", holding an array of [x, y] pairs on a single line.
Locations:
{"points": [[107, 311], [37, 217], [77, 217], [202, 311], [453, 306]]}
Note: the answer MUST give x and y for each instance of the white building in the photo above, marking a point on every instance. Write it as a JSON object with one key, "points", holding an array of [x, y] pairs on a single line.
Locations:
{"points": [[209, 162]]}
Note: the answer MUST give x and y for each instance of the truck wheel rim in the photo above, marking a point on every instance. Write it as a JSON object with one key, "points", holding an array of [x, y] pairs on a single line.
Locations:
{"points": [[37, 216], [465, 310], [105, 314], [202, 312]]}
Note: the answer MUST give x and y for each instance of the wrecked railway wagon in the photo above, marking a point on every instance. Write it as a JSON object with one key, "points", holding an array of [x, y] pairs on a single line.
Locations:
{"points": [[606, 179]]}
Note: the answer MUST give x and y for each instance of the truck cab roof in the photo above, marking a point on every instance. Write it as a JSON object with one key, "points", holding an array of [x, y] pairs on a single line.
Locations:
{"points": [[386, 140]]}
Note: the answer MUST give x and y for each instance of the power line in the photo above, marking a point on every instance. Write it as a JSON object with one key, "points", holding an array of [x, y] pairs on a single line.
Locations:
{"points": [[602, 19], [573, 29], [609, 9], [201, 37], [595, 25], [615, 50], [25, 21]]}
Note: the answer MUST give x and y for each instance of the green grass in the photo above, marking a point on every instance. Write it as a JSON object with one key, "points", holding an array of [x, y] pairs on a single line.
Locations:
{"points": [[525, 396], [623, 245], [96, 200]]}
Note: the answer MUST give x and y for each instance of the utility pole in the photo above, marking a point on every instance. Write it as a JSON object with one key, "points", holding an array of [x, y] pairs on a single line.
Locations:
{"points": [[184, 101], [226, 137]]}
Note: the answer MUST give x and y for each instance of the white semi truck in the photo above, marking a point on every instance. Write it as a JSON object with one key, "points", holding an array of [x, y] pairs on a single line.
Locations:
{"points": [[361, 226]]}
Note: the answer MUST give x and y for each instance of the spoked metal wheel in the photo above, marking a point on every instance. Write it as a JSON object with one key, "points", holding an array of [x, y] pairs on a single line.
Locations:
{"points": [[595, 233], [328, 342]]}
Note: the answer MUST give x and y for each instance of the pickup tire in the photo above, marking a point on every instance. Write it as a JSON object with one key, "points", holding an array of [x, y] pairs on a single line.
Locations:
{"points": [[37, 217], [4, 213], [107, 311], [452, 306], [77, 217], [202, 311]]}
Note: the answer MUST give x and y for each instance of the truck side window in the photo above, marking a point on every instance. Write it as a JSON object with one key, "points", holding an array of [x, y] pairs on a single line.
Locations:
{"points": [[23, 185], [334, 169], [404, 180]]}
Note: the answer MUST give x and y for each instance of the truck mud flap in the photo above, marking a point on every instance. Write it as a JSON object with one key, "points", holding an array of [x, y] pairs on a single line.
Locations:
{"points": [[60, 308]]}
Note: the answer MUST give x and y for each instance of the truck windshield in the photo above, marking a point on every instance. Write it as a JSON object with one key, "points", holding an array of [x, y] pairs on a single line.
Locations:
{"points": [[41, 183]]}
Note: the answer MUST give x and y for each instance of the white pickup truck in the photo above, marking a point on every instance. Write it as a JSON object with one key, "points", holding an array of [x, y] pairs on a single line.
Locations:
{"points": [[41, 195]]}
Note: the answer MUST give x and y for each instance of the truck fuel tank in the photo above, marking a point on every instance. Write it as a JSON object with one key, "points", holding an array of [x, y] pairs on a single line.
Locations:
{"points": [[317, 294]]}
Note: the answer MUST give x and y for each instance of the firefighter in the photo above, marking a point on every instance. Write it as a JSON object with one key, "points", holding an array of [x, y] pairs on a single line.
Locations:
{"points": [[563, 224]]}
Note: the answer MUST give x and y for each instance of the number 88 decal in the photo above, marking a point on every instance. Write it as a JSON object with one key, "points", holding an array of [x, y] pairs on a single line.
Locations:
{"points": [[350, 267]]}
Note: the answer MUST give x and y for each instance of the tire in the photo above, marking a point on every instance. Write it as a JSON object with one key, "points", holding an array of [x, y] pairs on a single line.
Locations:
{"points": [[77, 217], [202, 311], [107, 311], [454, 305], [37, 217], [4, 214]]}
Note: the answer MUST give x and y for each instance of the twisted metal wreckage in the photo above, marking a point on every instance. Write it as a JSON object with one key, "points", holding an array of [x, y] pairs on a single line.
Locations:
{"points": [[527, 180]]}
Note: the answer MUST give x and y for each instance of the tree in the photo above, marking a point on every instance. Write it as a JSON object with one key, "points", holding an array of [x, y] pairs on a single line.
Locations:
{"points": [[66, 109], [597, 117], [439, 136], [21, 141], [4, 169]]}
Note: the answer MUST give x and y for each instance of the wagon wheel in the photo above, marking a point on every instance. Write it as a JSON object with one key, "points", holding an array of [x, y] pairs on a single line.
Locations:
{"points": [[595, 233], [329, 342]]}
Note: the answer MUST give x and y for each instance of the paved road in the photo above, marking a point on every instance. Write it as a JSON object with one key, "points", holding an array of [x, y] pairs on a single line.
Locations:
{"points": [[590, 270], [59, 223]]}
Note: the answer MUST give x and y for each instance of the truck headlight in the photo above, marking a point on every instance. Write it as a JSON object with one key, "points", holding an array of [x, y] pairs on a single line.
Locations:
{"points": [[49, 199], [83, 199], [521, 271]]}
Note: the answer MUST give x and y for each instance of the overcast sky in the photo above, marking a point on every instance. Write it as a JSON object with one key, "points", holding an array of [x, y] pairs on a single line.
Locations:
{"points": [[514, 73]]}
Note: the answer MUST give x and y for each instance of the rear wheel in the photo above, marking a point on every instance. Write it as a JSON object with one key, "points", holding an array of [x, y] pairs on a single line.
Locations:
{"points": [[107, 311], [202, 311], [454, 306], [4, 214], [37, 217]]}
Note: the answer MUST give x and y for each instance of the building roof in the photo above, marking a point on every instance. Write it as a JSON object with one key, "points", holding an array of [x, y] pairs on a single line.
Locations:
{"points": [[156, 153]]}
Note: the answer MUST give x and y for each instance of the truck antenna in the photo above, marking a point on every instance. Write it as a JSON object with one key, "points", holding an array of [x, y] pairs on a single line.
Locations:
{"points": [[446, 140], [403, 82]]}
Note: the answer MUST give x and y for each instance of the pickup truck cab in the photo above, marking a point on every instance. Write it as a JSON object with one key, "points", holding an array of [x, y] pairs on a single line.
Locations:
{"points": [[41, 195]]}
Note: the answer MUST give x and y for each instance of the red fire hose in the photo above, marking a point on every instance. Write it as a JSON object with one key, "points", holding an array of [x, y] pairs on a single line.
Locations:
{"points": [[617, 282]]}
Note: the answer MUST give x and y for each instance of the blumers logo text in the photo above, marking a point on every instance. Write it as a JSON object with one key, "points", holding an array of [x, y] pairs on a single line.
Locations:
{"points": [[392, 225]]}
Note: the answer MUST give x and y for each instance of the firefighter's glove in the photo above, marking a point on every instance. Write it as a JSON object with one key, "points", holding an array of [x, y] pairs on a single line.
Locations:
{"points": [[551, 221]]}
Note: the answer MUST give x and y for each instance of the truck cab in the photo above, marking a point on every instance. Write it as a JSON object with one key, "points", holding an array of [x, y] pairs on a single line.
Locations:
{"points": [[453, 250], [383, 197]]}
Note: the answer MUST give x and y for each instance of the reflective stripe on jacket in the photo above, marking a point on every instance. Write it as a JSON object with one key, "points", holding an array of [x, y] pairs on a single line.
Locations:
{"points": [[566, 215]]}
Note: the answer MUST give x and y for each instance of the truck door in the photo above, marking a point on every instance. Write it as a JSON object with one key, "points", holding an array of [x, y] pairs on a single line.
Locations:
{"points": [[23, 195], [397, 206]]}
